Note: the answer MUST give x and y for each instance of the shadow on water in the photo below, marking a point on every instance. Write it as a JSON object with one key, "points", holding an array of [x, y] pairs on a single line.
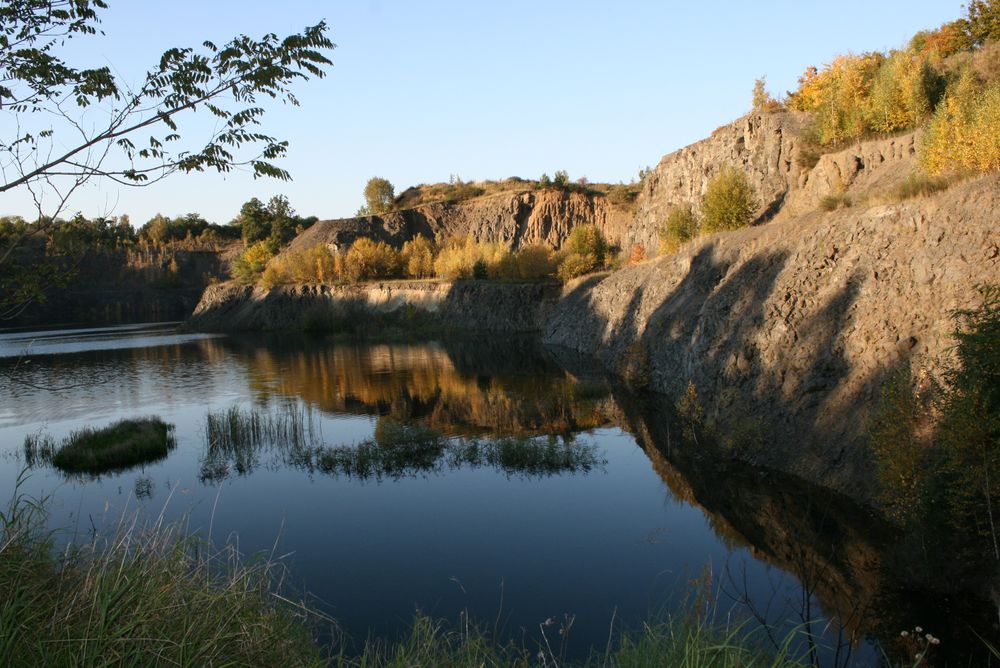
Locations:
{"points": [[854, 583]]}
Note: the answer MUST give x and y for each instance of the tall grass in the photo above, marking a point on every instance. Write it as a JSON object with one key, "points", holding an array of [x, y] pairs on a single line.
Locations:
{"points": [[237, 437], [139, 597]]}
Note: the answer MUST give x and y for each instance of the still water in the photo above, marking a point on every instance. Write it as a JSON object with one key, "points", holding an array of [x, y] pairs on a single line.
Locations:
{"points": [[616, 536]]}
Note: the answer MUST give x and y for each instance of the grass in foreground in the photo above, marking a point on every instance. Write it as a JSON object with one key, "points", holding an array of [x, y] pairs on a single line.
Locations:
{"points": [[152, 596], [118, 446], [139, 598]]}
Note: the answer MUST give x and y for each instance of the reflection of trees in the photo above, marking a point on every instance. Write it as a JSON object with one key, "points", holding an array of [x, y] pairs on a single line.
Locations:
{"points": [[241, 441], [513, 391]]}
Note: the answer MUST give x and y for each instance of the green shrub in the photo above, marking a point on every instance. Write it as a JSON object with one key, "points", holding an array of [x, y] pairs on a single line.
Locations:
{"points": [[589, 240], [681, 227], [368, 259], [623, 196], [586, 251], [729, 202]]}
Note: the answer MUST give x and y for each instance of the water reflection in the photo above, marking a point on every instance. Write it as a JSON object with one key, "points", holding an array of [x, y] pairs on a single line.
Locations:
{"points": [[851, 582], [500, 461]]}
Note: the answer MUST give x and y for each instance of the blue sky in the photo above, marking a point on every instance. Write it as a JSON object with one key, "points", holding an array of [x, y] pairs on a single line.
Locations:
{"points": [[487, 90]]}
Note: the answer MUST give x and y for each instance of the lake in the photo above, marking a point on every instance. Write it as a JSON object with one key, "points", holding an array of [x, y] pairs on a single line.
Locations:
{"points": [[542, 489]]}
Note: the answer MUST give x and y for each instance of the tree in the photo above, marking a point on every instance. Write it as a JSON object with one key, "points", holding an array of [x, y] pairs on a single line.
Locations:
{"points": [[561, 179], [254, 221], [66, 125], [379, 195], [983, 22], [762, 100]]}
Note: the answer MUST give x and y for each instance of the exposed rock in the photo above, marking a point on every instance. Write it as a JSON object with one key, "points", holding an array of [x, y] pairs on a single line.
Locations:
{"points": [[765, 146], [513, 219], [794, 325]]}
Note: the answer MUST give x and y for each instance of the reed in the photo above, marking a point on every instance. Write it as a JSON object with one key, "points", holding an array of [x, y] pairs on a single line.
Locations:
{"points": [[237, 437]]}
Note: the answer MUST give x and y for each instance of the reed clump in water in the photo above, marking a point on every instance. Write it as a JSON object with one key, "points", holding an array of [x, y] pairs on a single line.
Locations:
{"points": [[118, 446], [237, 437]]}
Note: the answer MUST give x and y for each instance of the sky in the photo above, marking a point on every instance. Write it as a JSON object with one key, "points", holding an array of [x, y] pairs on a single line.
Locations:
{"points": [[421, 91]]}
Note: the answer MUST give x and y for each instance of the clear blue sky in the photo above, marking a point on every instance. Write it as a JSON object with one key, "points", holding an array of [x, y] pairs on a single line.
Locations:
{"points": [[422, 90]]}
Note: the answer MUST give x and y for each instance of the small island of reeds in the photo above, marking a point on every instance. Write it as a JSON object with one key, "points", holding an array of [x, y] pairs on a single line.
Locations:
{"points": [[118, 446]]}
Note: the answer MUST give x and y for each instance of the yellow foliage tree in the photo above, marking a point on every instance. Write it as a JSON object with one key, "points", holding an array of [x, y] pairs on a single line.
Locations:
{"points": [[964, 134], [418, 257]]}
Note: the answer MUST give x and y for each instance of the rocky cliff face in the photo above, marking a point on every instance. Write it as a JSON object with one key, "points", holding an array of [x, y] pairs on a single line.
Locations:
{"points": [[513, 219], [764, 146], [789, 329], [770, 149]]}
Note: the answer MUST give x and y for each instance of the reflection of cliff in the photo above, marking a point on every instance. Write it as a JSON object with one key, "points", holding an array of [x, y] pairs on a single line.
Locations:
{"points": [[843, 555], [508, 388]]}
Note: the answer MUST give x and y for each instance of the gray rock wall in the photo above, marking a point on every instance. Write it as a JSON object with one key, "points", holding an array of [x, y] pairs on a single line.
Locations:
{"points": [[789, 329]]}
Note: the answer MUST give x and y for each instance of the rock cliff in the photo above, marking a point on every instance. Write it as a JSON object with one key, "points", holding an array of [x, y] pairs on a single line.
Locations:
{"points": [[788, 329], [514, 219]]}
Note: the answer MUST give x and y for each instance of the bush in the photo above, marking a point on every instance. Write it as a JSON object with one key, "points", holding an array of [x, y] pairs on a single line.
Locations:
{"points": [[530, 263], [623, 196], [681, 227], [586, 251], [367, 260], [315, 265], [589, 240], [459, 257], [729, 202], [560, 179], [637, 255], [250, 264], [417, 257], [574, 265]]}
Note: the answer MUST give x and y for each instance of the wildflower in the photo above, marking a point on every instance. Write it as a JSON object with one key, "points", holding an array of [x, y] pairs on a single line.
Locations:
{"points": [[918, 629], [904, 634], [935, 641]]}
